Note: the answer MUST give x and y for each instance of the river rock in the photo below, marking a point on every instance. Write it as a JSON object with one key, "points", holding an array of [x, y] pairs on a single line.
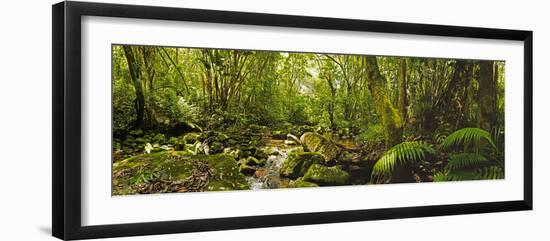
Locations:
{"points": [[316, 143], [246, 169], [289, 142], [176, 166], [261, 153], [277, 134], [326, 176], [191, 138], [254, 161], [301, 183], [298, 162]]}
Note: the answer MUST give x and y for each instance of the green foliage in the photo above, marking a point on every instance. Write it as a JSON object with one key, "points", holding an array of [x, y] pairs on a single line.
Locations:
{"points": [[462, 161], [372, 133], [123, 101], [144, 176], [365, 103], [482, 164], [490, 172], [468, 138], [400, 154]]}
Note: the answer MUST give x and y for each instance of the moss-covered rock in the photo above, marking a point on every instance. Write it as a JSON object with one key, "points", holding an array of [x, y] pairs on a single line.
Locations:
{"points": [[247, 166], [261, 153], [316, 143], [326, 176], [159, 138], [301, 183], [278, 134], [216, 147], [298, 162], [176, 166], [254, 161], [191, 138], [173, 141]]}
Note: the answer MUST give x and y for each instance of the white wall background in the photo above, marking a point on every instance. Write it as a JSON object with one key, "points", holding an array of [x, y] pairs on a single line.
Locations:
{"points": [[25, 119]]}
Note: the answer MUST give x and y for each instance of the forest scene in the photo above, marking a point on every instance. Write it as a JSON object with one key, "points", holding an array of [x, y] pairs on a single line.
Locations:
{"points": [[197, 119]]}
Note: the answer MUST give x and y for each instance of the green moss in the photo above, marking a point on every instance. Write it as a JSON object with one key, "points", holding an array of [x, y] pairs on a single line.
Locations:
{"points": [[297, 163], [221, 137], [248, 165], [316, 143], [260, 153], [301, 183], [177, 166], [191, 138], [326, 176], [254, 161], [216, 147]]}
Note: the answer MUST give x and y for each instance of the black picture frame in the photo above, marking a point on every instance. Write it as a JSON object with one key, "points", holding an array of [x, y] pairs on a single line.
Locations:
{"points": [[66, 129]]}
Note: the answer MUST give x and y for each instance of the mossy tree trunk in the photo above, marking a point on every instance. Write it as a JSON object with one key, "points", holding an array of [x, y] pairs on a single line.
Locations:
{"points": [[391, 121], [487, 95], [330, 106], [149, 59], [402, 101], [135, 74]]}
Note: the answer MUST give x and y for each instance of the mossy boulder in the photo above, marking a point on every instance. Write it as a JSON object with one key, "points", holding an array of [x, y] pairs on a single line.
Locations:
{"points": [[326, 176], [191, 138], [278, 134], [252, 161], [176, 166], [316, 143], [301, 183], [247, 166], [261, 153], [298, 162], [159, 138], [216, 147], [173, 141]]}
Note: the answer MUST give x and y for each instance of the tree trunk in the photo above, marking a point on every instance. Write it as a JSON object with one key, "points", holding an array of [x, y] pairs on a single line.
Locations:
{"points": [[402, 102], [332, 102], [487, 95], [391, 121], [135, 74]]}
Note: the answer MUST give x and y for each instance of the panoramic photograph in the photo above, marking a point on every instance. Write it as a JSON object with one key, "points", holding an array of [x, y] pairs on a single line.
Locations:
{"points": [[203, 119]]}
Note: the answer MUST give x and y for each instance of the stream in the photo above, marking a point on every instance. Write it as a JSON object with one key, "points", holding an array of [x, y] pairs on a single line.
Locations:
{"points": [[267, 177]]}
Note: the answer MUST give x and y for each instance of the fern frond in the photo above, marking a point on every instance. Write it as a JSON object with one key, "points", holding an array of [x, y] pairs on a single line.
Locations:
{"points": [[464, 160], [491, 172], [440, 177], [400, 154], [467, 137], [484, 173]]}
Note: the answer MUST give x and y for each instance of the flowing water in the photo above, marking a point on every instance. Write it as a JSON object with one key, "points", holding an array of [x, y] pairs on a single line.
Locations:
{"points": [[268, 177]]}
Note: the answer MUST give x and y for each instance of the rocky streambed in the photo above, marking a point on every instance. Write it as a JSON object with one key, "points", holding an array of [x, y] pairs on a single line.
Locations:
{"points": [[214, 161]]}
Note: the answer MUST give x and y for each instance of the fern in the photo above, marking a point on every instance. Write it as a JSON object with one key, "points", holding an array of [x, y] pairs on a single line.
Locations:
{"points": [[491, 172], [464, 160], [467, 137], [482, 165], [483, 173], [400, 154], [440, 177]]}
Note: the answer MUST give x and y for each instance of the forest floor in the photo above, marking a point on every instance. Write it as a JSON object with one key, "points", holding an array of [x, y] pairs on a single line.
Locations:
{"points": [[257, 157]]}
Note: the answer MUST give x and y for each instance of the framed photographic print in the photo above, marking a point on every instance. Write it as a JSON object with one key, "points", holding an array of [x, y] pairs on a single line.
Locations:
{"points": [[170, 120]]}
